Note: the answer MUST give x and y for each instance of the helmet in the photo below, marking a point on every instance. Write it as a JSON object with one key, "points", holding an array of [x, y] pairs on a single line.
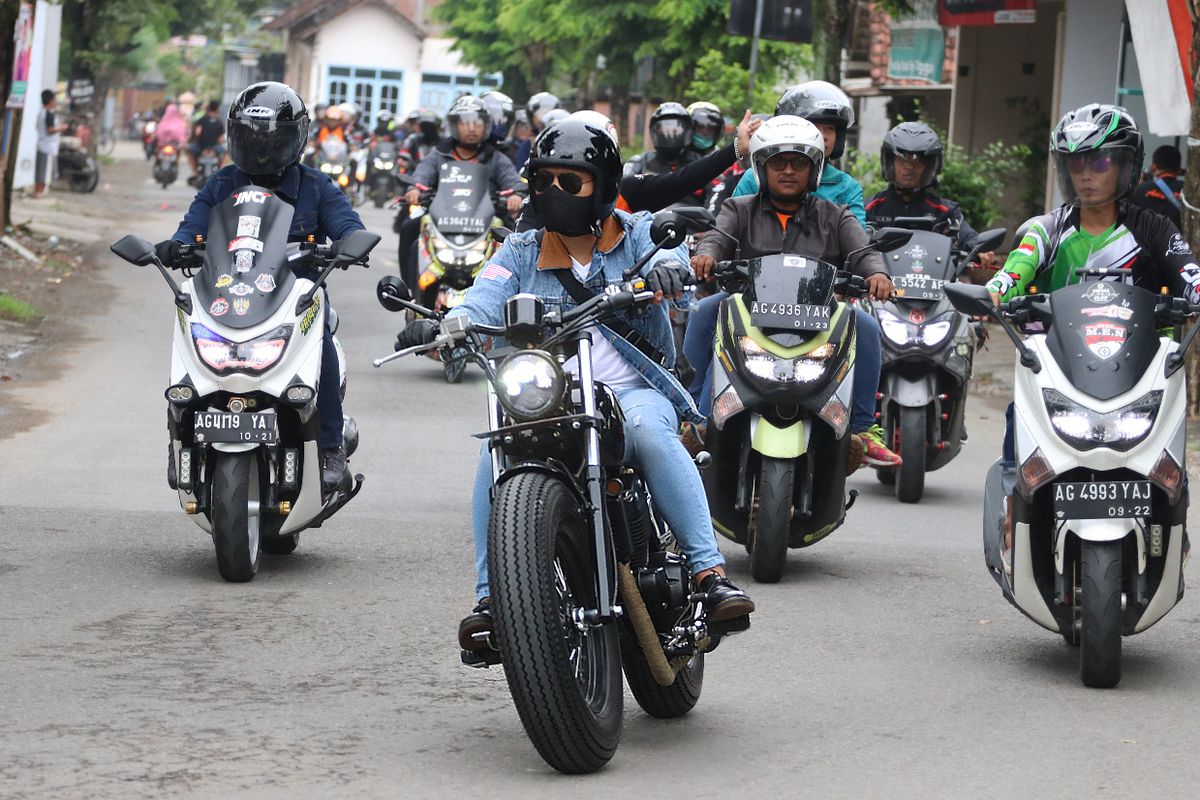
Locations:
{"points": [[267, 128], [787, 134], [820, 103], [429, 125], [539, 104], [552, 116], [1097, 130], [503, 112], [670, 129], [334, 115], [706, 115], [585, 140], [913, 139], [468, 109], [350, 111]]}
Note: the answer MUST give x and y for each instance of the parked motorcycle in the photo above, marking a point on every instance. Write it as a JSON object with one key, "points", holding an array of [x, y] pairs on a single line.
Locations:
{"points": [[166, 165], [1097, 499], [245, 372], [381, 168], [928, 353], [585, 575], [778, 434], [77, 166]]}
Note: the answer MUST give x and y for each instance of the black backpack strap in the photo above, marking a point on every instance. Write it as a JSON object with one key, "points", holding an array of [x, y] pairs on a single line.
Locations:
{"points": [[581, 294]]}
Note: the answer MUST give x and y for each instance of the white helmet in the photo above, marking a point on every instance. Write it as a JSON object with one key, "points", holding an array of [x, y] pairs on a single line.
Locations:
{"points": [[787, 134], [598, 120]]}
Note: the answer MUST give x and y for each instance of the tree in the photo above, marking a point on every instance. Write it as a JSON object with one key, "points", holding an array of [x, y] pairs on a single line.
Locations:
{"points": [[1191, 189]]}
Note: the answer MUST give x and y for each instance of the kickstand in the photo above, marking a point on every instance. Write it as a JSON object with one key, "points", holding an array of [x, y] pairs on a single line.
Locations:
{"points": [[853, 497]]}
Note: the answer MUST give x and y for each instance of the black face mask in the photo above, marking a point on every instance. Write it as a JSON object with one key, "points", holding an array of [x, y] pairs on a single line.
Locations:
{"points": [[567, 214]]}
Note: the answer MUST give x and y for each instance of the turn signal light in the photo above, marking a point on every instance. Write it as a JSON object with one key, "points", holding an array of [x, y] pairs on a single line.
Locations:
{"points": [[426, 280], [180, 395], [1035, 471], [1168, 475]]}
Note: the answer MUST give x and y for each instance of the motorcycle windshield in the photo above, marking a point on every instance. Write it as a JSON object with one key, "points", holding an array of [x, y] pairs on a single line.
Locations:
{"points": [[921, 267], [791, 293], [1103, 336], [246, 274], [463, 204]]}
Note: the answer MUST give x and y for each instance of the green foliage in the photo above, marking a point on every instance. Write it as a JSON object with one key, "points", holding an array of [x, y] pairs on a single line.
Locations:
{"points": [[17, 310]]}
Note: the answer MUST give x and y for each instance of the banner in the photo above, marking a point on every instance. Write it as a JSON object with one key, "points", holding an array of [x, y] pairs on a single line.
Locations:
{"points": [[1162, 38], [985, 12], [917, 53], [22, 55]]}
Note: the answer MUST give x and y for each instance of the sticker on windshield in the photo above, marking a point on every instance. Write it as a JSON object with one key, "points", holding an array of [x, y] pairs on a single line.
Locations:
{"points": [[243, 261], [1101, 294], [241, 306], [265, 283], [1114, 311], [793, 261], [916, 251], [1105, 340], [246, 243], [224, 281], [218, 307], [249, 226], [241, 290], [250, 197]]}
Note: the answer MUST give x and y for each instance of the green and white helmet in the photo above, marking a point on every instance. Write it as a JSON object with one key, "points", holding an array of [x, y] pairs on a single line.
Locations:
{"points": [[1095, 131]]}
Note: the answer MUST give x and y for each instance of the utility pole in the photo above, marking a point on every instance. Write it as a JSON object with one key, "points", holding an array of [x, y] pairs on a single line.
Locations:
{"points": [[758, 16]]}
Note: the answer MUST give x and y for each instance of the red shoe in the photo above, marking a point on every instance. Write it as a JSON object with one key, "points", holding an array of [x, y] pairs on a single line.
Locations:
{"points": [[877, 453]]}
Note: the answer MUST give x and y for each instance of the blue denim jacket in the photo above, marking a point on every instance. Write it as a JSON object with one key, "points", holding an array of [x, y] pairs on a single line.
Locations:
{"points": [[514, 269]]}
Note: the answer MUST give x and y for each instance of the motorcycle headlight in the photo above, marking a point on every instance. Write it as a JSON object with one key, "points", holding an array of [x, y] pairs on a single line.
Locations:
{"points": [[445, 255], [327, 167], [935, 332], [1086, 429], [893, 327], [223, 356], [380, 164], [343, 180], [530, 385], [473, 257], [762, 364]]}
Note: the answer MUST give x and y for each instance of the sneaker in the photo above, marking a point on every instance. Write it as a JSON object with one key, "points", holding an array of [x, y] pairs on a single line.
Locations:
{"points": [[877, 454], [478, 622], [333, 469], [722, 600]]}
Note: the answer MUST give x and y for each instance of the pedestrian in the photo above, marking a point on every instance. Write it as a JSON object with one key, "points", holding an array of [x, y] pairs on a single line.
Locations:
{"points": [[1161, 193], [49, 126]]}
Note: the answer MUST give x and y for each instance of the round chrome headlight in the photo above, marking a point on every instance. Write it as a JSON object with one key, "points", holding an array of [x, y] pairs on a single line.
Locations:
{"points": [[530, 384]]}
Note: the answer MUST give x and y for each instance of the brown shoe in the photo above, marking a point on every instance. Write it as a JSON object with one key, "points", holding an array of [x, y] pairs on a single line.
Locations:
{"points": [[692, 438], [857, 455]]}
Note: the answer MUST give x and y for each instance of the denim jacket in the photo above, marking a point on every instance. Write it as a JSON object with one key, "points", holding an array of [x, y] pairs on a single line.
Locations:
{"points": [[524, 265]]}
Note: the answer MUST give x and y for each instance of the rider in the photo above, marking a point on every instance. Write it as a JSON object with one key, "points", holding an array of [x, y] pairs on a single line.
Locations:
{"points": [[424, 138], [788, 216], [911, 156], [671, 135], [1163, 192], [574, 172], [470, 126], [708, 127], [385, 127], [265, 146], [503, 112], [537, 107], [207, 134]]}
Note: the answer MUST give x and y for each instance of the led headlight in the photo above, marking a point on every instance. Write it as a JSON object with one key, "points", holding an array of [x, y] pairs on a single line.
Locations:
{"points": [[805, 369], [1086, 429], [223, 356], [445, 255], [530, 385], [380, 164], [936, 332], [893, 327], [327, 167]]}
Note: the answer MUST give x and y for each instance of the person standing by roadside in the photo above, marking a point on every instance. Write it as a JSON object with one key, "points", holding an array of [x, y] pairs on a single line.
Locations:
{"points": [[1162, 193], [49, 127]]}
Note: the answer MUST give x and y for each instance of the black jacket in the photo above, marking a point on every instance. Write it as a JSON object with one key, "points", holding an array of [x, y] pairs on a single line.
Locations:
{"points": [[890, 204], [1148, 196]]}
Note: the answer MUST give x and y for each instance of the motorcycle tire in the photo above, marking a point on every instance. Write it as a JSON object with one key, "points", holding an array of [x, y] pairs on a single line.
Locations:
{"points": [[85, 182], [910, 475], [281, 545], [235, 532], [1100, 614], [663, 702], [570, 709], [776, 482]]}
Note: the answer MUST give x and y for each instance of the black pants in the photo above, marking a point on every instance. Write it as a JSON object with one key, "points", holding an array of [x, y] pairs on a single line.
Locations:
{"points": [[410, 231], [329, 397]]}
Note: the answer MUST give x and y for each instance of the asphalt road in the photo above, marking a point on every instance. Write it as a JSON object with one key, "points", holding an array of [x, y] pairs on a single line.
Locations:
{"points": [[885, 664]]}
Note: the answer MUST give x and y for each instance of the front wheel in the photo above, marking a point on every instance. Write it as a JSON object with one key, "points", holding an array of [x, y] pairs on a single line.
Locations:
{"points": [[771, 531], [235, 499], [565, 678], [1100, 614], [910, 475]]}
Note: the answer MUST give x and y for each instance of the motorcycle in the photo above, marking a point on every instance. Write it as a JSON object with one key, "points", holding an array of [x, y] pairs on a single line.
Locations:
{"points": [[1096, 502], [380, 178], [77, 166], [149, 144], [782, 374], [928, 353], [585, 577], [166, 165], [245, 370], [332, 158], [206, 165]]}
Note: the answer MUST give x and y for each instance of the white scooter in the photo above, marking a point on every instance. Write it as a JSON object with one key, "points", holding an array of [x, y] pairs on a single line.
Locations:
{"points": [[245, 370], [1097, 497]]}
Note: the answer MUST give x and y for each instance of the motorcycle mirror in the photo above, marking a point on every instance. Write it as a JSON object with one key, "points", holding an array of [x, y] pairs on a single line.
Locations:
{"points": [[356, 246], [390, 290], [696, 220], [134, 249], [891, 239], [972, 300], [668, 230]]}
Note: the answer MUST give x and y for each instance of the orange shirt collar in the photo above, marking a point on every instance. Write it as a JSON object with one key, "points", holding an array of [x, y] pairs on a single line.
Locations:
{"points": [[554, 253]]}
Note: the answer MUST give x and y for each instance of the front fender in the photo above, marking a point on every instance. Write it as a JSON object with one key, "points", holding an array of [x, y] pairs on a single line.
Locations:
{"points": [[548, 468], [775, 442], [909, 392]]}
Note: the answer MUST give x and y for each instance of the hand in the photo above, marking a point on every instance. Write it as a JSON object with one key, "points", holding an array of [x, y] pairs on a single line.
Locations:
{"points": [[703, 267], [987, 260], [667, 279], [413, 197], [745, 130], [880, 286], [995, 299], [168, 252], [514, 204], [421, 331]]}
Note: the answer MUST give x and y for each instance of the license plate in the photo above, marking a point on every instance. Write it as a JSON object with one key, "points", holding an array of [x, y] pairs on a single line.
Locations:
{"points": [[918, 287], [1102, 500], [226, 426], [790, 316]]}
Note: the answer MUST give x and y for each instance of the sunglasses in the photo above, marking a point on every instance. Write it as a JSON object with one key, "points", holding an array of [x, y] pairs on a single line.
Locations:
{"points": [[1092, 164], [781, 163], [569, 182]]}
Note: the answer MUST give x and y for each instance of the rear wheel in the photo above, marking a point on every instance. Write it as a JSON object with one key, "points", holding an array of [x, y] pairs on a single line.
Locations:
{"points": [[910, 477], [664, 702], [235, 497], [774, 519], [1100, 613]]}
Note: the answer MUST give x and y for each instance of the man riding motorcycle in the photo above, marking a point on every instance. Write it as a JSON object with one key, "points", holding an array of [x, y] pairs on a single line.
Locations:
{"points": [[671, 135], [536, 108], [385, 127], [574, 173], [470, 125], [265, 150], [708, 127], [788, 216], [503, 112]]}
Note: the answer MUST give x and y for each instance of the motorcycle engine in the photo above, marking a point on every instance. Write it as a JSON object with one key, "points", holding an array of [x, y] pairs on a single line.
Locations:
{"points": [[663, 583]]}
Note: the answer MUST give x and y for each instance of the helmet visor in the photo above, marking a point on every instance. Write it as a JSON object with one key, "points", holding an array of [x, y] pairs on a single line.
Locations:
{"points": [[910, 171], [265, 147], [669, 134], [1095, 177]]}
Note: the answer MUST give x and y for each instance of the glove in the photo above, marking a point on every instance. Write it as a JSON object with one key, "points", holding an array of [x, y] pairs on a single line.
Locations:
{"points": [[421, 331], [668, 277], [167, 252]]}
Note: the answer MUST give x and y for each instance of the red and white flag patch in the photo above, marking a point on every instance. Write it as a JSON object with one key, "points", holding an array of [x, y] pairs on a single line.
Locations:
{"points": [[1026, 248], [494, 272]]}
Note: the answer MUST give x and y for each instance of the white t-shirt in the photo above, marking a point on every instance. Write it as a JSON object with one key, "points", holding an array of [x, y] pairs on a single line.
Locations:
{"points": [[47, 142], [608, 366]]}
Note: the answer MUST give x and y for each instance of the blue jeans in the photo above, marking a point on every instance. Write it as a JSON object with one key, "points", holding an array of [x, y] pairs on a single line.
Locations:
{"points": [[868, 360], [651, 444]]}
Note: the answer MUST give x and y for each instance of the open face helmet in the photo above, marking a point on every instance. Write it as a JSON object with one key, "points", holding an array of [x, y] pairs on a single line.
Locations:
{"points": [[787, 134]]}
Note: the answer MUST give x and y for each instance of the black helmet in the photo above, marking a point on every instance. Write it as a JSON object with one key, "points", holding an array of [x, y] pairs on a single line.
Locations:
{"points": [[467, 109], [706, 115], [1095, 131], [820, 103], [670, 129], [267, 128], [503, 112], [539, 104], [912, 139], [580, 141]]}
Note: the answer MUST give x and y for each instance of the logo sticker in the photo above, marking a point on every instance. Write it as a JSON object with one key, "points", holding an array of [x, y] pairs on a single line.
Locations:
{"points": [[249, 226], [243, 261], [494, 272], [1114, 311], [916, 251], [241, 306], [1078, 131], [224, 281], [1178, 246], [265, 283], [218, 307], [916, 266], [310, 316], [241, 290], [250, 196], [246, 243], [1101, 294], [916, 316], [1105, 340], [259, 111]]}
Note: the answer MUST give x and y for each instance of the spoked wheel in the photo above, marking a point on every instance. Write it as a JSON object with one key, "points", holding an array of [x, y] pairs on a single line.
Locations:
{"points": [[774, 519], [664, 702], [1100, 614], [235, 515], [910, 477], [564, 675]]}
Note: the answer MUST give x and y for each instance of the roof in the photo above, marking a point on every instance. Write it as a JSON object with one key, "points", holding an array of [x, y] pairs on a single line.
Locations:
{"points": [[313, 13]]}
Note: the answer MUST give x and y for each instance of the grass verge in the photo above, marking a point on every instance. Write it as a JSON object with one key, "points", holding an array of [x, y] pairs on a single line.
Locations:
{"points": [[18, 310]]}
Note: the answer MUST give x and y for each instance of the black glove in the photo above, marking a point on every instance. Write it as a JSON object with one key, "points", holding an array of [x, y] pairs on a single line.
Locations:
{"points": [[421, 331], [668, 277], [167, 252]]}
